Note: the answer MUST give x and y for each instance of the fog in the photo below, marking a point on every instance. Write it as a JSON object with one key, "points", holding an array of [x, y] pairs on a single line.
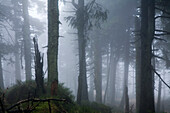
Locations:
{"points": [[112, 52]]}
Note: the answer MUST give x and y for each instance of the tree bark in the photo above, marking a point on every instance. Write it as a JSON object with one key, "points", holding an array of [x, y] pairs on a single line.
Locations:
{"points": [[98, 70], [82, 94], [53, 36], [27, 40], [138, 62], [39, 74], [146, 103]]}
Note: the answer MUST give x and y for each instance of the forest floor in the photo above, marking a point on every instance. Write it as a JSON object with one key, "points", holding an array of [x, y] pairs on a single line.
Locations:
{"points": [[23, 98]]}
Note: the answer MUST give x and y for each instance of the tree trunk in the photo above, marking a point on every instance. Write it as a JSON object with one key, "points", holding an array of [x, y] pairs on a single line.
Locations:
{"points": [[91, 90], [138, 62], [91, 71], [27, 40], [146, 103], [126, 71], [108, 73], [39, 74], [126, 100], [1, 74], [98, 70], [114, 61], [53, 36], [114, 81], [159, 97], [82, 94], [17, 37]]}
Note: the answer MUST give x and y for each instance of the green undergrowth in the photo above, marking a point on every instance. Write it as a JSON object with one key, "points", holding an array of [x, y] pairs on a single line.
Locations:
{"points": [[25, 90], [73, 108]]}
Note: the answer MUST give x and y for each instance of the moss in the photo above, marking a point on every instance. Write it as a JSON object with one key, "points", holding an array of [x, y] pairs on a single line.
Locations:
{"points": [[22, 89], [44, 107]]}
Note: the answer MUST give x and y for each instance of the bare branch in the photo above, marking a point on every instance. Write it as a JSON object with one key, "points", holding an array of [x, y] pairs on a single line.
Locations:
{"points": [[34, 100], [8, 33], [69, 11], [168, 17], [160, 77], [158, 30], [163, 34], [156, 56], [163, 10], [74, 4], [160, 39]]}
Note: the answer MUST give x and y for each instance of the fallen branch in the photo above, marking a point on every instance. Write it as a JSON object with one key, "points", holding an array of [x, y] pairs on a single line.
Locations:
{"points": [[34, 100]]}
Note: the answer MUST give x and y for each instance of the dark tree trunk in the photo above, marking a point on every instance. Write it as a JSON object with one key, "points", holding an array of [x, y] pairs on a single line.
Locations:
{"points": [[126, 100], [82, 94], [138, 62], [53, 35], [27, 40], [1, 74], [146, 103], [39, 74]]}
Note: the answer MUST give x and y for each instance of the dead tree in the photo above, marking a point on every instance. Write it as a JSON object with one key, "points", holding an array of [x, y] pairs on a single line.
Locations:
{"points": [[39, 74]]}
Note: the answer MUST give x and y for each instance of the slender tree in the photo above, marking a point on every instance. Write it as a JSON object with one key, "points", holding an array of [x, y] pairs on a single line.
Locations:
{"points": [[1, 74], [158, 107], [27, 40], [53, 35], [126, 70], [16, 21], [98, 69], [138, 62]]}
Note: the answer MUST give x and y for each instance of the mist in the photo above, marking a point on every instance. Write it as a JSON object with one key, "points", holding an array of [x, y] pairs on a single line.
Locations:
{"points": [[85, 56]]}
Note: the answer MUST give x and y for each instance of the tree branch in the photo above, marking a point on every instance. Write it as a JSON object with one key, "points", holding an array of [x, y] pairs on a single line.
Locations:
{"points": [[160, 39], [160, 77], [158, 30], [74, 4], [163, 10], [163, 34], [168, 17], [33, 100], [156, 56]]}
